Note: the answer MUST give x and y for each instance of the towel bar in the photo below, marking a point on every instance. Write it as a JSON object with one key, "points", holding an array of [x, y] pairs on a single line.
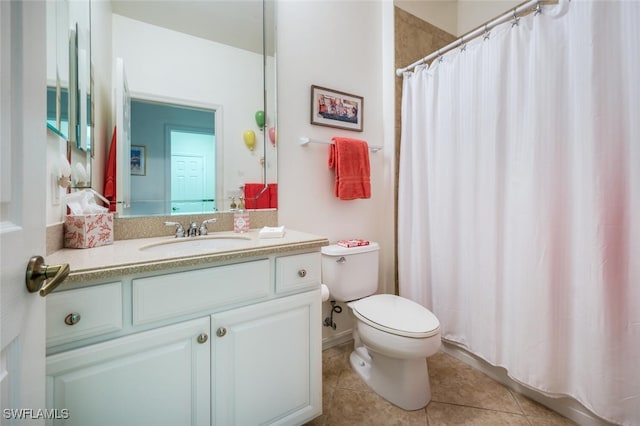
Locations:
{"points": [[305, 140]]}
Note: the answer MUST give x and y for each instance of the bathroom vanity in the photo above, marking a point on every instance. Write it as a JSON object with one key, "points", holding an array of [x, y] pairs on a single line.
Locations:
{"points": [[141, 334]]}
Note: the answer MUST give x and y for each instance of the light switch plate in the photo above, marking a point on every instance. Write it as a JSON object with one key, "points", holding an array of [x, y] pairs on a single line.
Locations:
{"points": [[55, 191]]}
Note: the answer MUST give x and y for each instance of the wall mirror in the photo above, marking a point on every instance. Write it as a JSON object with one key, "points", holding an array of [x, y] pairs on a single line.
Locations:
{"points": [[69, 85], [195, 80]]}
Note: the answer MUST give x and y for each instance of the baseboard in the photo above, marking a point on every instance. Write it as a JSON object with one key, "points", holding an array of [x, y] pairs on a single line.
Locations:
{"points": [[566, 406], [337, 339]]}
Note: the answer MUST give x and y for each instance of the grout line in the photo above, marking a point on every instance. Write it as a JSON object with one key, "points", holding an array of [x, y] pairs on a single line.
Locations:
{"points": [[485, 409]]}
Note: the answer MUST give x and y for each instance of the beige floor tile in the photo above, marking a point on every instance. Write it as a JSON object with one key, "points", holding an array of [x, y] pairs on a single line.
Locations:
{"points": [[454, 382], [461, 395], [349, 379], [440, 414], [539, 414], [351, 408], [332, 366]]}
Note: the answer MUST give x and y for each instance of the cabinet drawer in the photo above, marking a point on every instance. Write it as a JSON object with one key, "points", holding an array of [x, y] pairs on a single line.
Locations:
{"points": [[96, 310], [297, 272], [171, 295]]}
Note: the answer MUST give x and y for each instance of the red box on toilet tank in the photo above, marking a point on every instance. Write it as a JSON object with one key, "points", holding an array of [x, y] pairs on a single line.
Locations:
{"points": [[88, 230]]}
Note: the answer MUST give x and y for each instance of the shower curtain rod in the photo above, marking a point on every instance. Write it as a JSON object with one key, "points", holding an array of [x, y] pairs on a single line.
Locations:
{"points": [[512, 14]]}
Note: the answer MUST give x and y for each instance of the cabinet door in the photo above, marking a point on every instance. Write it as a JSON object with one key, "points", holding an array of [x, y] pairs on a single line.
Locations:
{"points": [[157, 377], [267, 362]]}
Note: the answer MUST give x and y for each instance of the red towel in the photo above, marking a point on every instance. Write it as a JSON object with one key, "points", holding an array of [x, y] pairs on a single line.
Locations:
{"points": [[350, 158], [110, 175], [273, 195], [253, 190]]}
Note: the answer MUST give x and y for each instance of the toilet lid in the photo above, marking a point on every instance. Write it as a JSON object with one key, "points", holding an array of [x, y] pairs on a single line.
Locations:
{"points": [[396, 315]]}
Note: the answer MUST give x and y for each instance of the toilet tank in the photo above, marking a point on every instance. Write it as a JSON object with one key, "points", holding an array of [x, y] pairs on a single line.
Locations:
{"points": [[350, 273]]}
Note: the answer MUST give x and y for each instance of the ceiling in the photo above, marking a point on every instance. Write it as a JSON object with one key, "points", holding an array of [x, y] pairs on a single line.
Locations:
{"points": [[236, 23]]}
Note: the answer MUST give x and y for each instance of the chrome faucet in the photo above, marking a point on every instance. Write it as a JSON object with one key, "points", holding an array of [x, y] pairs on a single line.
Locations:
{"points": [[193, 230]]}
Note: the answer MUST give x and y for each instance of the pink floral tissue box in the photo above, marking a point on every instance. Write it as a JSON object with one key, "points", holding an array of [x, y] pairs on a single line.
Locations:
{"points": [[88, 230]]}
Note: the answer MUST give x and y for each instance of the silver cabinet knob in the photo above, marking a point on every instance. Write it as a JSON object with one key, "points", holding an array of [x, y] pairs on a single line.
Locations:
{"points": [[72, 319], [302, 273], [221, 332], [203, 337]]}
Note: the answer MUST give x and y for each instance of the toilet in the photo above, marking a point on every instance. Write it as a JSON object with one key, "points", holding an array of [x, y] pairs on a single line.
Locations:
{"points": [[393, 336]]}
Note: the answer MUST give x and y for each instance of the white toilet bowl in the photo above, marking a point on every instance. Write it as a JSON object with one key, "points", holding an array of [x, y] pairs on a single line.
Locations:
{"points": [[393, 336]]}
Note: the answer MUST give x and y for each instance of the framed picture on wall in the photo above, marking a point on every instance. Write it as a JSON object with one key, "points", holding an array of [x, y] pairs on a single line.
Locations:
{"points": [[336, 109], [138, 160]]}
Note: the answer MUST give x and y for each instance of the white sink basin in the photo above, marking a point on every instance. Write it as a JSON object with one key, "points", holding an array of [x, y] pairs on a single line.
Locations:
{"points": [[196, 245]]}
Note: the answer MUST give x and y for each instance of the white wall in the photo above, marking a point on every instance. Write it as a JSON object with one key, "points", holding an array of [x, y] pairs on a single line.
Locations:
{"points": [[473, 13], [343, 46]]}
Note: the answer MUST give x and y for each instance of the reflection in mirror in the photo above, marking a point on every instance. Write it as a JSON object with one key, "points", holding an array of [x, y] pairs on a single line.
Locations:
{"points": [[204, 55], [69, 82], [58, 67], [173, 159]]}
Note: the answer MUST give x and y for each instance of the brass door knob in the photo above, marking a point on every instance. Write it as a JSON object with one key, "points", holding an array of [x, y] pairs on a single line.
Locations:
{"points": [[38, 272]]}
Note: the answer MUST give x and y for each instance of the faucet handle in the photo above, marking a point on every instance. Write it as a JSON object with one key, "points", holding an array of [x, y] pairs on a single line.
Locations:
{"points": [[203, 227], [192, 230], [179, 228]]}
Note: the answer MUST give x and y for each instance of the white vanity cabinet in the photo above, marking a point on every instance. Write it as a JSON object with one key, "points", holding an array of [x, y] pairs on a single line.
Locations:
{"points": [[157, 377], [231, 344], [265, 362]]}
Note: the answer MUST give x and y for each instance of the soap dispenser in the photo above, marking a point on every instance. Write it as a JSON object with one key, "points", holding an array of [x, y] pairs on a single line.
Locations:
{"points": [[240, 218]]}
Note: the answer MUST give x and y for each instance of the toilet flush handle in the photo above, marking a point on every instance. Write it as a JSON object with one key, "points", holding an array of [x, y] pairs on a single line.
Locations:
{"points": [[342, 259]]}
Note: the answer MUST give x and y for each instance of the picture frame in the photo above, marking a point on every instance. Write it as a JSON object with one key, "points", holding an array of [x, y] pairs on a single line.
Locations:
{"points": [[138, 160], [333, 108]]}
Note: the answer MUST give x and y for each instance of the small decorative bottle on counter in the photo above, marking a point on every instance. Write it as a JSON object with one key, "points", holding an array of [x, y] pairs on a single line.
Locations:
{"points": [[240, 218]]}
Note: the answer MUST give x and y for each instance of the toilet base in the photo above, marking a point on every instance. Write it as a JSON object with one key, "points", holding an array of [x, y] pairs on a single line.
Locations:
{"points": [[403, 382]]}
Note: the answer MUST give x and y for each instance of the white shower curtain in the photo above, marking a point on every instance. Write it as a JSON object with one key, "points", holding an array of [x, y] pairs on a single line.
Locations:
{"points": [[519, 201]]}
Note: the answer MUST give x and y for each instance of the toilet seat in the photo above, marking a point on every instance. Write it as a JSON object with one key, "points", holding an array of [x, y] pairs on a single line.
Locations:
{"points": [[396, 315]]}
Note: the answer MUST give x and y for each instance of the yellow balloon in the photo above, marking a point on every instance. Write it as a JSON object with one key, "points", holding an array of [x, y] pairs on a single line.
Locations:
{"points": [[249, 137]]}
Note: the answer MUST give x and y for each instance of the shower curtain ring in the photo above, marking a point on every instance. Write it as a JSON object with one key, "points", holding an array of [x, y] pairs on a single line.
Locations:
{"points": [[538, 9], [516, 20], [486, 32]]}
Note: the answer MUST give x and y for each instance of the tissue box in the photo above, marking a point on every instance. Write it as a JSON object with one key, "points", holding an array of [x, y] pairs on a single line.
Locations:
{"points": [[88, 230]]}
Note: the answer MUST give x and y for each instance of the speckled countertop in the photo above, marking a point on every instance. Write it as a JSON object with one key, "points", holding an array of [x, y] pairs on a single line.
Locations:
{"points": [[124, 257]]}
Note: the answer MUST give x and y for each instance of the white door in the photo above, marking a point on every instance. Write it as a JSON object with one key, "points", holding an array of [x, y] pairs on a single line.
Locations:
{"points": [[22, 206], [187, 184]]}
